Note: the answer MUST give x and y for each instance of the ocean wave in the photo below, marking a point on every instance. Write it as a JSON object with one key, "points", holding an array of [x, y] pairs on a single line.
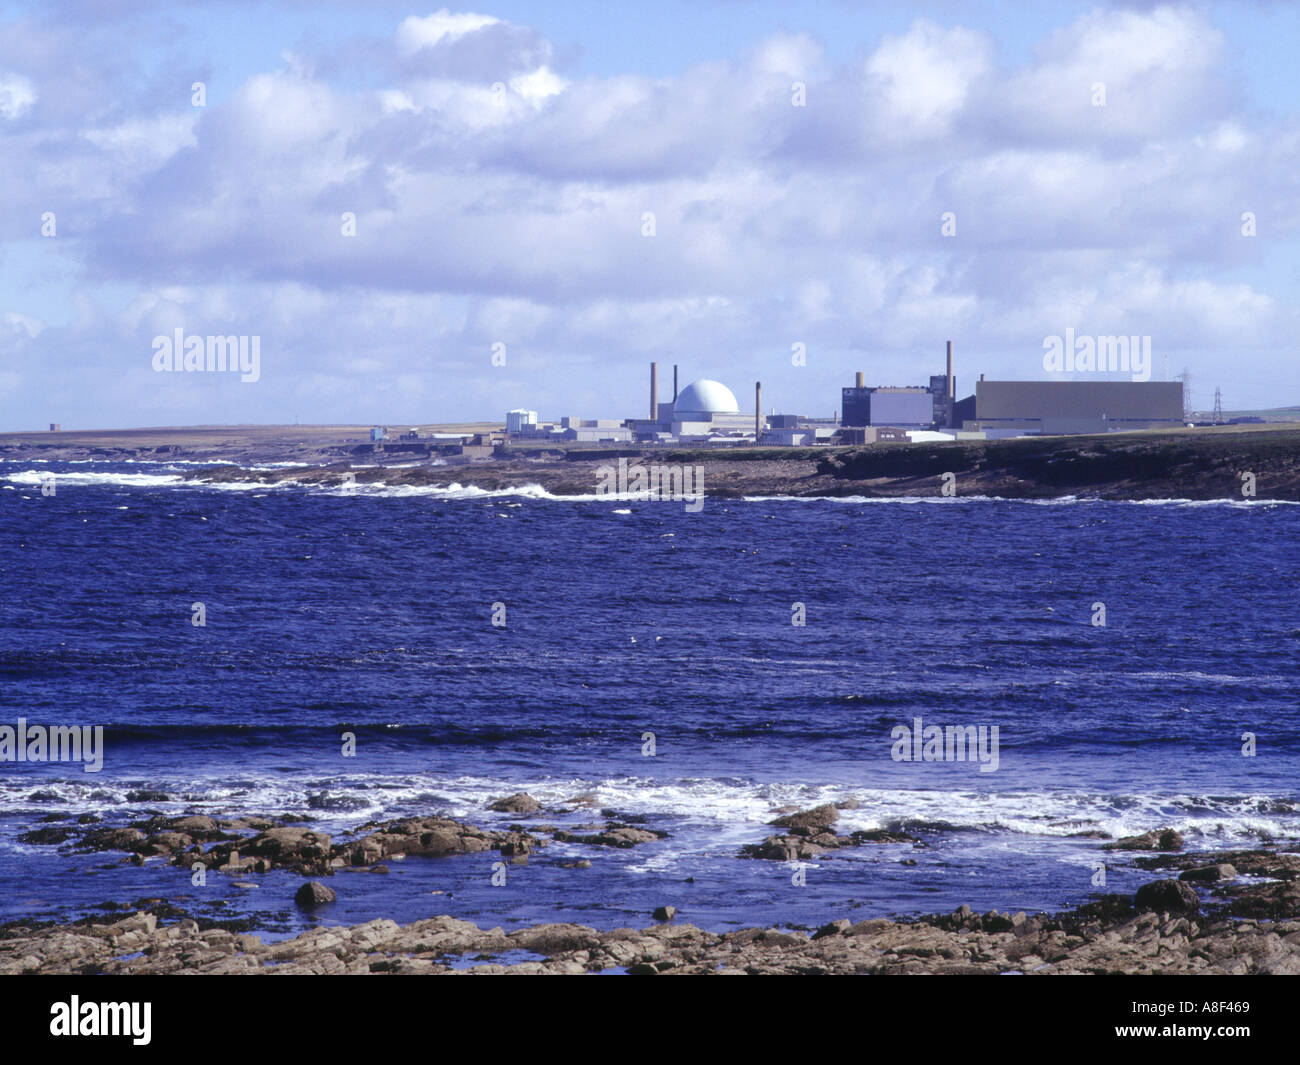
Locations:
{"points": [[696, 809]]}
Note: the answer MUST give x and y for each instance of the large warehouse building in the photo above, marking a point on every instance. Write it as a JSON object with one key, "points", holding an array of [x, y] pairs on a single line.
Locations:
{"points": [[1057, 407]]}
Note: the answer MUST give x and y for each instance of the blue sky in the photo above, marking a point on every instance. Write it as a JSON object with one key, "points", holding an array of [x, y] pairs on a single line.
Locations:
{"points": [[516, 217]]}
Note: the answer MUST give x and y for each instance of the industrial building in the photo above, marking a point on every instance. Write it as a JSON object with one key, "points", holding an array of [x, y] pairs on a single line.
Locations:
{"points": [[913, 407], [519, 421], [1060, 407], [704, 411]]}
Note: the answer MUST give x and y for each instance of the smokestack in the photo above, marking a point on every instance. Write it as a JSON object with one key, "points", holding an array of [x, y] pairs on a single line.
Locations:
{"points": [[654, 391], [758, 411], [674, 382], [951, 387], [861, 383]]}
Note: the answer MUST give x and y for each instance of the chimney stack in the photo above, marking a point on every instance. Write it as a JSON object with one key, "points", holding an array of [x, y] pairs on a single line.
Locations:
{"points": [[674, 382], [758, 411], [654, 391], [861, 383], [951, 386]]}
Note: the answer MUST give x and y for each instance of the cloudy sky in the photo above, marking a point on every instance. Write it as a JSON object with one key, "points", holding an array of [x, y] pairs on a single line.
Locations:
{"points": [[595, 185]]}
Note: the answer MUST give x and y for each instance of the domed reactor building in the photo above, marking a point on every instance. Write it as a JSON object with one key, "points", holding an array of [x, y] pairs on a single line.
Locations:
{"points": [[703, 410]]}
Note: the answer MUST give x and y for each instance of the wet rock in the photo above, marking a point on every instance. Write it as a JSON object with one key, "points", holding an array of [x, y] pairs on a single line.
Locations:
{"points": [[195, 825], [783, 849], [1156, 840], [519, 845], [432, 837], [519, 803], [802, 843], [314, 893], [1272, 901], [113, 839], [169, 843], [665, 913], [147, 795], [301, 850], [1210, 873], [1167, 896], [818, 817], [881, 835], [46, 836], [614, 835]]}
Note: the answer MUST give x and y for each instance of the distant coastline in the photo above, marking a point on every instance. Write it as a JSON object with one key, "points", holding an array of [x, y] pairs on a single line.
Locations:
{"points": [[1196, 464]]}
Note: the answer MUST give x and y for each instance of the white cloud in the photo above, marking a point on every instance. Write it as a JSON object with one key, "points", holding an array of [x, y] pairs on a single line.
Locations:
{"points": [[17, 95], [538, 85], [921, 79], [441, 27]]}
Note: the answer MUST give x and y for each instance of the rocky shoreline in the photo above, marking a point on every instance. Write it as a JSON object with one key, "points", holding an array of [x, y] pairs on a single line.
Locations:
{"points": [[1162, 931], [1232, 912], [1198, 464]]}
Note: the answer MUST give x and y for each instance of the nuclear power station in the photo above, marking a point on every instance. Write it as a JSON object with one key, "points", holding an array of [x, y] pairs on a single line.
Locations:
{"points": [[706, 411]]}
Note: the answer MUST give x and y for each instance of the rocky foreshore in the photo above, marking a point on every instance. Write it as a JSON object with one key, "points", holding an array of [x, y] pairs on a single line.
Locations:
{"points": [[1163, 933], [1225, 912]]}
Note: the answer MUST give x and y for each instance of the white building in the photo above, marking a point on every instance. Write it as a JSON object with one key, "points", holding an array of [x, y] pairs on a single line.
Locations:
{"points": [[519, 421], [708, 408]]}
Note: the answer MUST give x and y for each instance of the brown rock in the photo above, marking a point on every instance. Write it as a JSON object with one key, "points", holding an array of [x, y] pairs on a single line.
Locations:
{"points": [[314, 893], [818, 817], [1156, 840], [1209, 872], [1167, 896], [519, 803]]}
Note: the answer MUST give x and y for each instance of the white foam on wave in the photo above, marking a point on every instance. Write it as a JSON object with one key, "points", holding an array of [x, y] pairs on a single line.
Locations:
{"points": [[88, 477], [719, 812], [531, 491]]}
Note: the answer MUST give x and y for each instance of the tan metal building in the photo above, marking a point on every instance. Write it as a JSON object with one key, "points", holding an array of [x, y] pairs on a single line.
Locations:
{"points": [[1058, 407]]}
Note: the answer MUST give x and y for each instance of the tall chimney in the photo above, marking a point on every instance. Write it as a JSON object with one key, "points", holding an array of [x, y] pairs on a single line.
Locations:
{"points": [[758, 411], [674, 382], [861, 383], [654, 391], [951, 387]]}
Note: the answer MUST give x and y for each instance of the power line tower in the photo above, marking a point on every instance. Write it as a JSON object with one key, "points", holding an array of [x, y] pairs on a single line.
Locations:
{"points": [[1218, 406]]}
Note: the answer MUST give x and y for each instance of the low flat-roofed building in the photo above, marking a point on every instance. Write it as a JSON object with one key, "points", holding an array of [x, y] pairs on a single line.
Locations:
{"points": [[1063, 407]]}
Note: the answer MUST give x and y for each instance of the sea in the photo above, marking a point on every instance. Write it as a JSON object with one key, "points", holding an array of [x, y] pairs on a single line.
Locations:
{"points": [[694, 670]]}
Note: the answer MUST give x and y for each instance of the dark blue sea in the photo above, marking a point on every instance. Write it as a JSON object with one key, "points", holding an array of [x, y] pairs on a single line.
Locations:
{"points": [[370, 611]]}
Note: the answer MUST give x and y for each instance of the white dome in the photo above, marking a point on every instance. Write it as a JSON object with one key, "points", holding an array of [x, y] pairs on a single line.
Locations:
{"points": [[705, 397]]}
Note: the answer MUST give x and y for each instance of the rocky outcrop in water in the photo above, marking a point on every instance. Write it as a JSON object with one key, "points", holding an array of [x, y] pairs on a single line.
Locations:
{"points": [[810, 834]]}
